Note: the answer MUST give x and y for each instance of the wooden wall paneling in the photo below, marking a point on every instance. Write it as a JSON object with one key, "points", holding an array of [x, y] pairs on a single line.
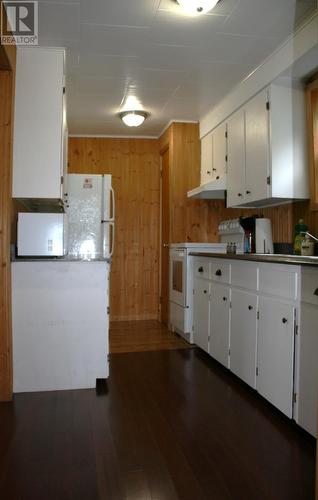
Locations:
{"points": [[6, 114], [135, 167]]}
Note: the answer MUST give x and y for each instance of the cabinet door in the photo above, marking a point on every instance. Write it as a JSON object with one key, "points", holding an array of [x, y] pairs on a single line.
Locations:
{"points": [[257, 148], [243, 335], [236, 159], [219, 151], [308, 369], [206, 158], [220, 323], [38, 124], [275, 353], [201, 313]]}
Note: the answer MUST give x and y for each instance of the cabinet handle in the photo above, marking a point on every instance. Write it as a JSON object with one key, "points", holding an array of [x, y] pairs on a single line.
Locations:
{"points": [[316, 292], [250, 308], [217, 177], [239, 194], [214, 169], [205, 291], [225, 299], [200, 270], [285, 320], [208, 172], [218, 272], [248, 192]]}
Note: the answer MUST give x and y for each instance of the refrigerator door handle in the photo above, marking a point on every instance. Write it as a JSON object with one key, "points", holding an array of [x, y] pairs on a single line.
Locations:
{"points": [[112, 224], [112, 218]]}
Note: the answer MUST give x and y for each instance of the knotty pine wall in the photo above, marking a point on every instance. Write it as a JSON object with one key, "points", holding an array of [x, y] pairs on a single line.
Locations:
{"points": [[7, 74], [135, 167]]}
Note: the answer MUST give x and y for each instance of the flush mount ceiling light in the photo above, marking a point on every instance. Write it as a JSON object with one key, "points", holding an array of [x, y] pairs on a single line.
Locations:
{"points": [[133, 118], [197, 7]]}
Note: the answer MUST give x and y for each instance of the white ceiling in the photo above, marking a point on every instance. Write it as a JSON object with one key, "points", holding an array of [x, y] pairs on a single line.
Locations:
{"points": [[177, 67]]}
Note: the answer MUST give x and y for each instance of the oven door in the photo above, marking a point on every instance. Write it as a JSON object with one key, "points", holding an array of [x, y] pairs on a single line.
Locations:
{"points": [[178, 269]]}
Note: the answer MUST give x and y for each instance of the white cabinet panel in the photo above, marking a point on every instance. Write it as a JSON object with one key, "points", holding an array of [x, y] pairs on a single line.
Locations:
{"points": [[307, 390], [220, 323], [219, 151], [243, 335], [257, 148], [201, 313], [206, 158], [236, 159], [281, 281], [276, 353], [245, 275], [38, 124]]}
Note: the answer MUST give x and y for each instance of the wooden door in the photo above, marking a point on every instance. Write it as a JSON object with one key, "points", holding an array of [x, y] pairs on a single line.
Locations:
{"points": [[201, 313], [165, 238], [243, 335]]}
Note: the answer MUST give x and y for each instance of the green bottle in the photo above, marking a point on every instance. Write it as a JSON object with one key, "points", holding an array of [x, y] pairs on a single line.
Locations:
{"points": [[300, 229]]}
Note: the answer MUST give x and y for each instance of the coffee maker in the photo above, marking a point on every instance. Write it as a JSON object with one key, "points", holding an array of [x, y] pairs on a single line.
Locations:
{"points": [[257, 234]]}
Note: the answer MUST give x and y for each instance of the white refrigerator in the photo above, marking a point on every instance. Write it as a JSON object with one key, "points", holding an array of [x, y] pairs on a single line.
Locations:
{"points": [[91, 216]]}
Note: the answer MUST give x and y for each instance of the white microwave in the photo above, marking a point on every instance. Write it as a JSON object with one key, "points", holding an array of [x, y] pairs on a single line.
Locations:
{"points": [[41, 234]]}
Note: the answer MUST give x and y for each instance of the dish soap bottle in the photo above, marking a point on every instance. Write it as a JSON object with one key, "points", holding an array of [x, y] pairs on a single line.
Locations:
{"points": [[300, 229]]}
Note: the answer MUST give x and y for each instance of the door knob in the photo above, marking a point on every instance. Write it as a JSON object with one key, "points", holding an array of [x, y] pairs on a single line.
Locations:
{"points": [[250, 308], [218, 272], [316, 292], [284, 320]]}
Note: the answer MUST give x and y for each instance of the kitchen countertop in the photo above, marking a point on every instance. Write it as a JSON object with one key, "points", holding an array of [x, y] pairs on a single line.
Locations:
{"points": [[57, 259], [274, 258]]}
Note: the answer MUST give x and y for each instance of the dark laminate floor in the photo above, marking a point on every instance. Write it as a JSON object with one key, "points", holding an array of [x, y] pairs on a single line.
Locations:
{"points": [[174, 425]]}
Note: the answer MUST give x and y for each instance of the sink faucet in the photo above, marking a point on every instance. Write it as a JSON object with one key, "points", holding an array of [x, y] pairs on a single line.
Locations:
{"points": [[310, 235]]}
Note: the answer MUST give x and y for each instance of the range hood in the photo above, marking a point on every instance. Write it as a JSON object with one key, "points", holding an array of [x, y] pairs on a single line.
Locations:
{"points": [[212, 190]]}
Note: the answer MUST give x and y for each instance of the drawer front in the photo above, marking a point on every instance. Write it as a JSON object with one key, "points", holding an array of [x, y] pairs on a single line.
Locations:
{"points": [[245, 275], [309, 286], [279, 281], [201, 268], [220, 271]]}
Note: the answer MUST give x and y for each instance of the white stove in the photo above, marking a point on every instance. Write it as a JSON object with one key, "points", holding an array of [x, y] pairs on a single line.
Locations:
{"points": [[181, 284]]}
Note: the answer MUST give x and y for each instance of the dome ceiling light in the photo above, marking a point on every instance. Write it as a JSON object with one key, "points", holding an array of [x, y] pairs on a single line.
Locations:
{"points": [[133, 118], [197, 7]]}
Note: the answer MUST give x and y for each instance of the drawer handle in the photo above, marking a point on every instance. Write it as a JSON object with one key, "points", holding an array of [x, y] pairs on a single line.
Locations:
{"points": [[285, 320], [218, 272], [225, 299], [200, 270], [250, 308], [316, 292], [239, 194]]}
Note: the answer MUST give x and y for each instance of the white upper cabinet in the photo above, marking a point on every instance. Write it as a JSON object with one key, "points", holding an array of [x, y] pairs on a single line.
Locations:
{"points": [[206, 158], [236, 159], [213, 154], [40, 132], [219, 151], [267, 159]]}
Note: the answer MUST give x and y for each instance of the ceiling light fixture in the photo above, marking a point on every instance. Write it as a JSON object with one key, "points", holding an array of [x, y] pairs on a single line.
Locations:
{"points": [[133, 118], [197, 7]]}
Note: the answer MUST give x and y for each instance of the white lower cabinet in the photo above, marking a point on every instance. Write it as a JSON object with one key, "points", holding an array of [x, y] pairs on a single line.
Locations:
{"points": [[220, 323], [275, 353], [201, 313], [243, 335]]}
